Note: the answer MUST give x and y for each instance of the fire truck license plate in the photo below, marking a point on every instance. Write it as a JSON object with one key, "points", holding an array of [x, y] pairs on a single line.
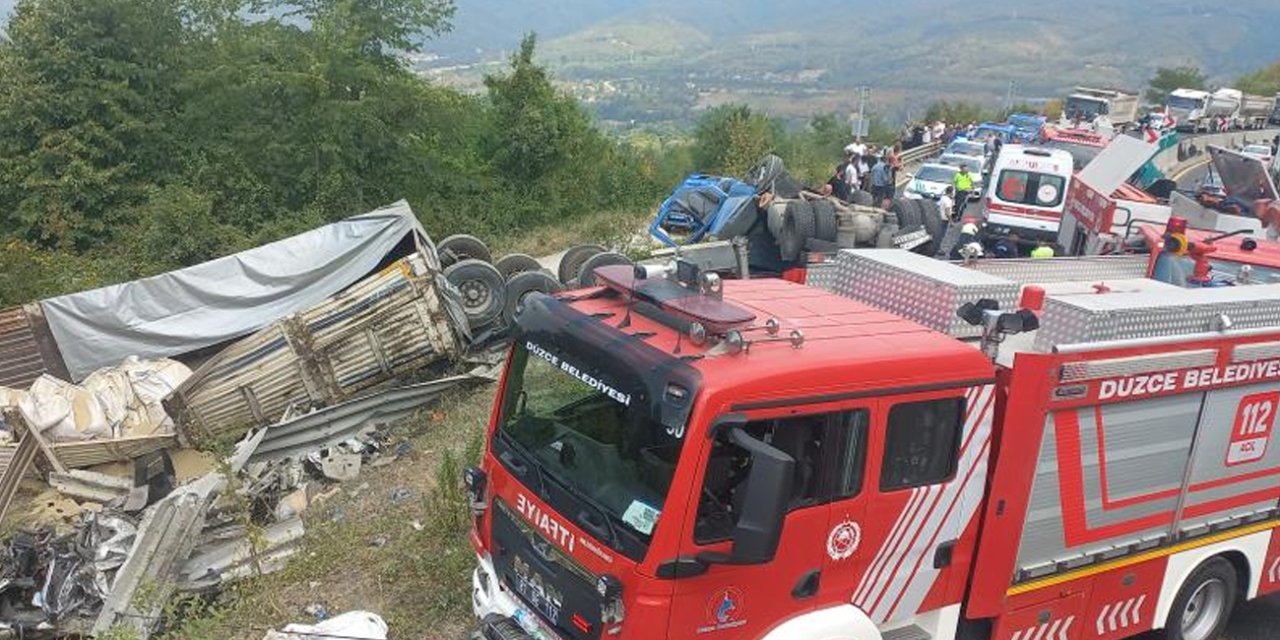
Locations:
{"points": [[540, 594], [1255, 421]]}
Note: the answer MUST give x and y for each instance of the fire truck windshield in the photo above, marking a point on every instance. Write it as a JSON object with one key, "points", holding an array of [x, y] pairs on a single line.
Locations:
{"points": [[593, 440]]}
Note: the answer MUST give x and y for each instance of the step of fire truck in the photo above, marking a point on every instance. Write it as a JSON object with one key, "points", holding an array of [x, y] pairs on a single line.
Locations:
{"points": [[1090, 302], [911, 632]]}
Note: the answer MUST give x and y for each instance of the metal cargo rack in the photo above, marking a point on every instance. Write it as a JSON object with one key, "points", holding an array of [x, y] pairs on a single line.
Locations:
{"points": [[1099, 269], [1113, 317], [917, 287]]}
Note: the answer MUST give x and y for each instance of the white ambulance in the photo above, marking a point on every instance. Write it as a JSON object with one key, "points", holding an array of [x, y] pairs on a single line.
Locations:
{"points": [[1026, 192]]}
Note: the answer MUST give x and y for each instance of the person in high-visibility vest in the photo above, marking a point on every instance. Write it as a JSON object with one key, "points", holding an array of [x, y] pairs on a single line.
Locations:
{"points": [[1042, 251], [963, 182]]}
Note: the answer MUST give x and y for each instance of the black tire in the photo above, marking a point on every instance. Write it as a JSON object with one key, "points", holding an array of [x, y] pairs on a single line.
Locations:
{"points": [[863, 198], [483, 290], [798, 225], [587, 273], [512, 264], [521, 285], [572, 261], [457, 248], [1197, 613], [908, 215], [932, 219], [824, 214]]}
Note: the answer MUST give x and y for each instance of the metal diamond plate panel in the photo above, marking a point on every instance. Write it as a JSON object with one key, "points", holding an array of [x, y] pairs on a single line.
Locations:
{"points": [[1127, 316], [918, 288], [1094, 269], [821, 275], [1118, 367]]}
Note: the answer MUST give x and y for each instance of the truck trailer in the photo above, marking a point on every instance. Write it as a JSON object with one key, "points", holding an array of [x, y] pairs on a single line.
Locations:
{"points": [[1103, 109], [1255, 111], [1054, 449]]}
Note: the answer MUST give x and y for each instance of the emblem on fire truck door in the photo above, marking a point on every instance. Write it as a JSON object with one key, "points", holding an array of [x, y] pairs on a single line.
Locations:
{"points": [[843, 540], [1254, 424]]}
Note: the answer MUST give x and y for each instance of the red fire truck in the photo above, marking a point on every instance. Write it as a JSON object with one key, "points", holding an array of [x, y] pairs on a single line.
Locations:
{"points": [[905, 449]]}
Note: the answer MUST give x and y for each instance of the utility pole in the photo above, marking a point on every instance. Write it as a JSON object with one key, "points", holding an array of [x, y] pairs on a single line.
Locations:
{"points": [[864, 93], [1008, 99]]}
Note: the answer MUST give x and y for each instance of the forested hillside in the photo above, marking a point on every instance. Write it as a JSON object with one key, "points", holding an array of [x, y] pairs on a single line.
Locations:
{"points": [[142, 135]]}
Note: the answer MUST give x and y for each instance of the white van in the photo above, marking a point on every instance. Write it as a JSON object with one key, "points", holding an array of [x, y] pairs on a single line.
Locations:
{"points": [[1027, 192]]}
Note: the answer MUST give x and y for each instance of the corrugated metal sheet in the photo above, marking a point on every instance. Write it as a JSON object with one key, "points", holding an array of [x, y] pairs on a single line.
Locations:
{"points": [[15, 460], [20, 360], [326, 427], [78, 455], [385, 326]]}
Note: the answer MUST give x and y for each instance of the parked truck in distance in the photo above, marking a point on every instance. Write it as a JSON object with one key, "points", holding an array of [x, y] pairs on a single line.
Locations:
{"points": [[1275, 110], [1101, 108], [1255, 111], [1187, 106]]}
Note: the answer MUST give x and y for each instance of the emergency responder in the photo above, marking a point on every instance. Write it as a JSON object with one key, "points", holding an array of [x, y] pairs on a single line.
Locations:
{"points": [[1005, 246], [967, 244], [963, 182], [1042, 250]]}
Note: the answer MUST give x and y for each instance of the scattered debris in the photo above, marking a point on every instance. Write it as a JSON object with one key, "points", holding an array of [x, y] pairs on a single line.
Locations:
{"points": [[353, 625], [312, 379], [246, 555], [91, 485], [336, 464], [317, 611]]}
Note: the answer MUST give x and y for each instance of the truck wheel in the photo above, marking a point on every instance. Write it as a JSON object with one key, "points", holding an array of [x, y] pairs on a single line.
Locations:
{"points": [[774, 216], [483, 290], [797, 226], [511, 264], [908, 215], [824, 213], [521, 285], [932, 219], [863, 198], [587, 273], [572, 261], [457, 248], [1204, 603]]}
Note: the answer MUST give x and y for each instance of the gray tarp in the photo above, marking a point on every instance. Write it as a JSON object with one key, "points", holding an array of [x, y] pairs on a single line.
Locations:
{"points": [[181, 311]]}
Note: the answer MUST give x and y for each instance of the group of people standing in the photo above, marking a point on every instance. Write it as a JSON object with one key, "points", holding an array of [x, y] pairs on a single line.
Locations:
{"points": [[867, 168]]}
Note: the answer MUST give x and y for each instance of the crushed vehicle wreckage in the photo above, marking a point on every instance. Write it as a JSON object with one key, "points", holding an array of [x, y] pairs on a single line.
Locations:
{"points": [[305, 351]]}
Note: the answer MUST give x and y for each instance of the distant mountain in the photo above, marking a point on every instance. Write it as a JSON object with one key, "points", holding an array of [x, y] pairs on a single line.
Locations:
{"points": [[799, 56]]}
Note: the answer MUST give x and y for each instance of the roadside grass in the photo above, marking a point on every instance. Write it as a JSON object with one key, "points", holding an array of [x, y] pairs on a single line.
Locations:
{"points": [[406, 559], [615, 230]]}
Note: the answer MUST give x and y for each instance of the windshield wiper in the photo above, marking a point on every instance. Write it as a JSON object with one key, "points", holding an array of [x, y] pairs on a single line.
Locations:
{"points": [[605, 529]]}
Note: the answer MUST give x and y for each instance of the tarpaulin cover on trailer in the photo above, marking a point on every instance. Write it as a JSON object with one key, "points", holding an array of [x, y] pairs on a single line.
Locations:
{"points": [[206, 304]]}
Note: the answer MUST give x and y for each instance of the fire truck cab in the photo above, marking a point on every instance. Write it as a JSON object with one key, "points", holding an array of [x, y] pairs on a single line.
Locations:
{"points": [[904, 449]]}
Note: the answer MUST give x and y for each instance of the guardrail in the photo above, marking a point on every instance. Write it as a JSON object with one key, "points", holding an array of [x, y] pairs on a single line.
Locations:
{"points": [[917, 156]]}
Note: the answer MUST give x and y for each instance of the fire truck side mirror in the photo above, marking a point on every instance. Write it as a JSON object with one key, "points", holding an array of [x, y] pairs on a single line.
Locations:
{"points": [[759, 528]]}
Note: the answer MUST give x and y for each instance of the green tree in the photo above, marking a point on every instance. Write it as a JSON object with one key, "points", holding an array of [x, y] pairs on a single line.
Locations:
{"points": [[85, 100], [730, 139], [1169, 78], [541, 142], [957, 112], [1263, 82]]}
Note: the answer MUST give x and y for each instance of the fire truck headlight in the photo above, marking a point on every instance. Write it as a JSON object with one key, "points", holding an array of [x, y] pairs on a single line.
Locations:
{"points": [[609, 587]]}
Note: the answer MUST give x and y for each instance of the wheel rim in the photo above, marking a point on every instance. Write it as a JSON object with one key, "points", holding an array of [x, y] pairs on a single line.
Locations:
{"points": [[475, 295], [1204, 610]]}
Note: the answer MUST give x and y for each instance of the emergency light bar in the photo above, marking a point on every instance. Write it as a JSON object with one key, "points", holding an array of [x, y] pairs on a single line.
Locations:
{"points": [[684, 293]]}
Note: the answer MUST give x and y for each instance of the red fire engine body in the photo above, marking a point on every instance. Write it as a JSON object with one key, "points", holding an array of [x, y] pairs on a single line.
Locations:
{"points": [[852, 460]]}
